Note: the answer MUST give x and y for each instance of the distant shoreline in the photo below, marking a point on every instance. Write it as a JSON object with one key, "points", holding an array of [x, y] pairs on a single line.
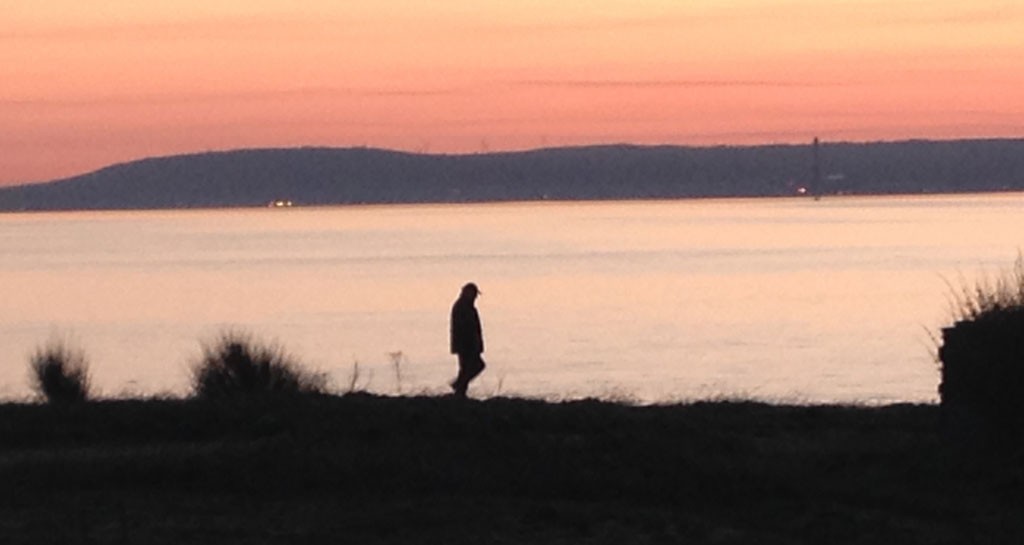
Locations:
{"points": [[359, 176], [299, 206]]}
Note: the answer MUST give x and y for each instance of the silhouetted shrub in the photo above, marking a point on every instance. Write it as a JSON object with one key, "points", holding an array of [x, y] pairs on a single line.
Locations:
{"points": [[982, 357], [237, 366], [60, 373]]}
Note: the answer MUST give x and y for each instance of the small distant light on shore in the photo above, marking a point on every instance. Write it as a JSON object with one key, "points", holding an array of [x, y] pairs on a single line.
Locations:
{"points": [[801, 191]]}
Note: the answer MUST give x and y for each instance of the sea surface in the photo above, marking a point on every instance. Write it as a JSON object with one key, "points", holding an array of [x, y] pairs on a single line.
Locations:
{"points": [[790, 300]]}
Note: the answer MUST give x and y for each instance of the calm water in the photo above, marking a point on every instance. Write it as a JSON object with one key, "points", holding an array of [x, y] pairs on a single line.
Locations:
{"points": [[791, 300]]}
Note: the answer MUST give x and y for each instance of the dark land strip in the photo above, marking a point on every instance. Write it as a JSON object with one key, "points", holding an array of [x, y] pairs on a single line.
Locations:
{"points": [[368, 469]]}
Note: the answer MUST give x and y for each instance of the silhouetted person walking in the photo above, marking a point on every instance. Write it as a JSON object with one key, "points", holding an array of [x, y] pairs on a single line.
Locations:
{"points": [[466, 338]]}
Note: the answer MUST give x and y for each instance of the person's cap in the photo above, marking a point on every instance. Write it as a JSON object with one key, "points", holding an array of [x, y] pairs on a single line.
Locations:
{"points": [[471, 287]]}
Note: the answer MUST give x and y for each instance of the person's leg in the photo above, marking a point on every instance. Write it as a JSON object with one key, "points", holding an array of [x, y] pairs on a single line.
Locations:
{"points": [[470, 367], [477, 367], [461, 382]]}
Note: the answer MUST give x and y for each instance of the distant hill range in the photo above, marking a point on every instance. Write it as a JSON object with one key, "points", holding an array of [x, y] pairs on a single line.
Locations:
{"points": [[328, 176]]}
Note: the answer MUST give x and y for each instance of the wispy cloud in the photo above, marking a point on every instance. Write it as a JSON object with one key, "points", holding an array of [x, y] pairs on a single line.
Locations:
{"points": [[965, 14], [222, 26], [793, 12], [170, 99], [665, 83]]}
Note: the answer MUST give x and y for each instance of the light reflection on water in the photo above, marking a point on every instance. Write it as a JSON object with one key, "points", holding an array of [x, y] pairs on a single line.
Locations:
{"points": [[785, 299]]}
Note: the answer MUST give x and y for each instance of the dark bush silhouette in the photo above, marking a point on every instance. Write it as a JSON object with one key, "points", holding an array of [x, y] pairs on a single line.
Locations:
{"points": [[982, 357], [236, 366], [60, 373]]}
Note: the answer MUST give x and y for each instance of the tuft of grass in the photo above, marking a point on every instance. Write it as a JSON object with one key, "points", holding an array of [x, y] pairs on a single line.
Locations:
{"points": [[236, 365], [989, 297], [60, 372]]}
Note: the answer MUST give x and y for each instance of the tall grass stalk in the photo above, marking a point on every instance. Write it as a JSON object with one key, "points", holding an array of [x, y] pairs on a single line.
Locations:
{"points": [[353, 384], [396, 363]]}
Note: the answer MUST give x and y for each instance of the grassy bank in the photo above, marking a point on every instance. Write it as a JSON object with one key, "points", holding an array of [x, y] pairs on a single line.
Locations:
{"points": [[365, 469]]}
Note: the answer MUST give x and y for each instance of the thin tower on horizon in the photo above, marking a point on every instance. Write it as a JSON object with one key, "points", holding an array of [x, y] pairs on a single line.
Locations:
{"points": [[816, 172]]}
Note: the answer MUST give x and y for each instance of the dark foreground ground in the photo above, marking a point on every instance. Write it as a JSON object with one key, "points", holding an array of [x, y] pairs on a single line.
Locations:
{"points": [[364, 469]]}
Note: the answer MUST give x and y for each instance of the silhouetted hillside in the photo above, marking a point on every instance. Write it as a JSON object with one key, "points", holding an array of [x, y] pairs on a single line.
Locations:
{"points": [[323, 176]]}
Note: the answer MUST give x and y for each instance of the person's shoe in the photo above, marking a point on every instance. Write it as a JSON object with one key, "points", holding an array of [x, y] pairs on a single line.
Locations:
{"points": [[456, 391]]}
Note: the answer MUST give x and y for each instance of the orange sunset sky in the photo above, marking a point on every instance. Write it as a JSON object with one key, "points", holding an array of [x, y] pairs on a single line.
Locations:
{"points": [[87, 84]]}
